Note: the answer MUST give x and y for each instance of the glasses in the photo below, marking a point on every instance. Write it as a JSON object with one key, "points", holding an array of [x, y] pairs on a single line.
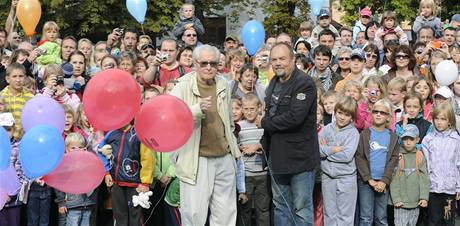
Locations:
{"points": [[377, 112], [391, 42], [344, 58], [402, 56], [109, 65], [419, 51], [190, 35], [368, 56], [204, 64]]}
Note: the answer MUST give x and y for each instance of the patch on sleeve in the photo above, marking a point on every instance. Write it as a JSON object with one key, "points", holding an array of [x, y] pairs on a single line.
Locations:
{"points": [[301, 96]]}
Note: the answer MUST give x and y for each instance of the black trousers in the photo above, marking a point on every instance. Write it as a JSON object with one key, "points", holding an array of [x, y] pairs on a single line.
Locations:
{"points": [[124, 212], [441, 209]]}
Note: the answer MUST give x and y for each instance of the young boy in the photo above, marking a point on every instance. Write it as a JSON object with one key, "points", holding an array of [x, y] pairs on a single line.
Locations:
{"points": [[254, 164], [188, 20], [305, 30], [338, 143], [131, 173], [76, 207], [409, 188], [360, 26], [396, 93], [15, 95], [329, 99], [358, 61], [324, 22]]}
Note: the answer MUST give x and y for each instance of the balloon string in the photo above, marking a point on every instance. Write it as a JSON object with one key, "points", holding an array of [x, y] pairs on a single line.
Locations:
{"points": [[142, 27]]}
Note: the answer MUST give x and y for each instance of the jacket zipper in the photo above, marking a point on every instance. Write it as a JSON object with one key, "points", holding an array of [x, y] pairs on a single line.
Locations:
{"points": [[119, 153]]}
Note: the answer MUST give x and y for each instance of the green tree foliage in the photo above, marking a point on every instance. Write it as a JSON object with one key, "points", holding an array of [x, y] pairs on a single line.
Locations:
{"points": [[405, 9], [96, 19], [281, 16]]}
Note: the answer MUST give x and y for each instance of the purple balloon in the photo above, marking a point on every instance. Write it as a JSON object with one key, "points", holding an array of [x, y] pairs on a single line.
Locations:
{"points": [[3, 196], [9, 181], [42, 110]]}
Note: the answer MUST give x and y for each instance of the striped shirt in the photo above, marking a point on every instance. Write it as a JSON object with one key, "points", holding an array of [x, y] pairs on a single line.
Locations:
{"points": [[14, 104]]}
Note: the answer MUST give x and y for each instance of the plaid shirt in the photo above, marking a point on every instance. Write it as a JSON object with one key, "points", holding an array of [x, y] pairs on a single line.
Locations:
{"points": [[14, 104]]}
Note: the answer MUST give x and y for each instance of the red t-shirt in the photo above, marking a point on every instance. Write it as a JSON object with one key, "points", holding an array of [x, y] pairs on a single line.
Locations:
{"points": [[167, 75]]}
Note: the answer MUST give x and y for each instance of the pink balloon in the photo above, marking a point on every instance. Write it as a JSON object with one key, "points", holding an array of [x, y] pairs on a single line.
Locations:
{"points": [[164, 123], [79, 172]]}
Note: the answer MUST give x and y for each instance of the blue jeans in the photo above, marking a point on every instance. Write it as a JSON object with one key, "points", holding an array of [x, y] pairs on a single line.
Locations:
{"points": [[78, 217], [372, 205], [38, 207], [293, 198]]}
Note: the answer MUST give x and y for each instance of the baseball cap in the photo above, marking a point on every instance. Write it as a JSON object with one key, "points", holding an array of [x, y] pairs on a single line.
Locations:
{"points": [[231, 37], [456, 18], [6, 119], [410, 130], [444, 91], [358, 53], [323, 13], [365, 12]]}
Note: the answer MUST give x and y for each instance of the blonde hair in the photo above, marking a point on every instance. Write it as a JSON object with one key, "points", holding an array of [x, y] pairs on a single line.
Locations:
{"points": [[75, 138], [348, 105], [353, 83], [251, 97], [187, 4], [387, 105], [431, 3], [397, 83], [50, 25], [69, 110], [448, 111], [306, 26], [236, 53], [377, 80], [327, 94], [52, 69]]}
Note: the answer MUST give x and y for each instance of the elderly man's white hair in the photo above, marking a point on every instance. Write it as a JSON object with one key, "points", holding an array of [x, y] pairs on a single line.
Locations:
{"points": [[205, 48]]}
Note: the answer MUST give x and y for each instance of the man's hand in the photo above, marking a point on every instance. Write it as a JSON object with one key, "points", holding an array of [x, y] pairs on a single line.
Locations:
{"points": [[380, 186], [243, 198], [205, 103], [112, 38], [62, 210], [372, 183], [423, 203], [108, 180]]}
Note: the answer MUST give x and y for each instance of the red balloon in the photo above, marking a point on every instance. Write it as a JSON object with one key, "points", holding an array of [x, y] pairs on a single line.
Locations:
{"points": [[111, 99], [79, 172], [164, 123]]}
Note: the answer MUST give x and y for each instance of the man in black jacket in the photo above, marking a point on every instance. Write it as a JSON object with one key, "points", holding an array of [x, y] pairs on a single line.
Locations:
{"points": [[290, 139]]}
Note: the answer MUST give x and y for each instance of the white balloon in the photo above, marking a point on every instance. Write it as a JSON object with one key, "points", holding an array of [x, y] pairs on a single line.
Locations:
{"points": [[446, 72]]}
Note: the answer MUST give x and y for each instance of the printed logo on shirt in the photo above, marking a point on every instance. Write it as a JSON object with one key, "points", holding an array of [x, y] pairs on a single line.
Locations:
{"points": [[130, 167], [375, 146]]}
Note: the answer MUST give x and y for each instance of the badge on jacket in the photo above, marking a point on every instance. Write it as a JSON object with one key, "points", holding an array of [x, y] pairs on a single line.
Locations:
{"points": [[301, 96]]}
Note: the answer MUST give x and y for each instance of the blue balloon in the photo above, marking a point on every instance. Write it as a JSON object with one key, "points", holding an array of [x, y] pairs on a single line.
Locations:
{"points": [[315, 6], [41, 150], [5, 149], [253, 36], [138, 9]]}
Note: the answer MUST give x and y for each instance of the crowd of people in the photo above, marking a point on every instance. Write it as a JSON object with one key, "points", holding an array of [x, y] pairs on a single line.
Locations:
{"points": [[344, 126]]}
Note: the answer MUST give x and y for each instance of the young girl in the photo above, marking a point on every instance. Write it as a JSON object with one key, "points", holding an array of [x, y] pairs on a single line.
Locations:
{"points": [[374, 91], [390, 25], [94, 136], [70, 120], [442, 151], [376, 158], [237, 109], [425, 89], [353, 89], [50, 32], [427, 17], [413, 115]]}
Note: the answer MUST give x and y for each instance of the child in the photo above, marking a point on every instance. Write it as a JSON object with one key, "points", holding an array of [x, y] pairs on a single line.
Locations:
{"points": [[360, 26], [442, 151], [338, 143], [424, 87], [15, 95], [94, 136], [254, 163], [410, 187], [389, 25], [324, 22], [11, 212], [49, 49], [69, 126], [374, 91], [319, 117], [188, 20], [376, 158], [396, 92], [413, 115], [427, 17], [354, 89], [305, 30], [76, 207], [54, 87], [328, 99], [237, 109], [132, 172], [443, 95]]}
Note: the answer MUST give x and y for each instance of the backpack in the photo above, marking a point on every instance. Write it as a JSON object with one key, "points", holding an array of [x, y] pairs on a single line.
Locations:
{"points": [[418, 160]]}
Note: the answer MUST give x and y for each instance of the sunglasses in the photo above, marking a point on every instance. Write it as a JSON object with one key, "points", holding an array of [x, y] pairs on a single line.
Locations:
{"points": [[190, 35], [368, 56], [377, 112], [204, 64], [402, 56], [344, 58]]}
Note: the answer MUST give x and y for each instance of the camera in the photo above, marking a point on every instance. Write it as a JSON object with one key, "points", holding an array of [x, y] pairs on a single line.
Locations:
{"points": [[265, 58], [373, 92], [164, 57], [60, 80]]}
